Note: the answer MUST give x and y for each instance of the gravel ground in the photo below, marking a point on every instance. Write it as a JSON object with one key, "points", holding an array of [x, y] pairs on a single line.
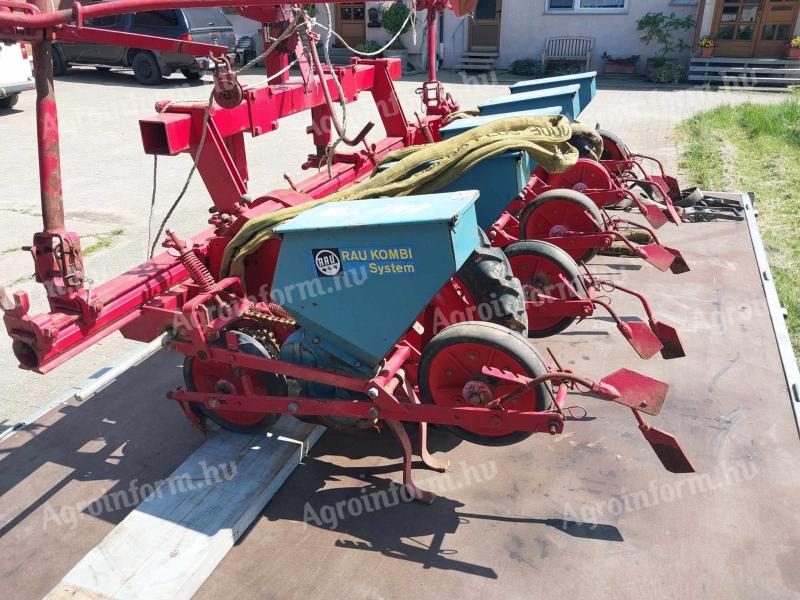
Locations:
{"points": [[108, 179]]}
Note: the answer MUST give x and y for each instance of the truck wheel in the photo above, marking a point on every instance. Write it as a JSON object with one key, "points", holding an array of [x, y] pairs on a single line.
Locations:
{"points": [[540, 267], [60, 66], [495, 291], [192, 75], [450, 374], [146, 69], [9, 101]]}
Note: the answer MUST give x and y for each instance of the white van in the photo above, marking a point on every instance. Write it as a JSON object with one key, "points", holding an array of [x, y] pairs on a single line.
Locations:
{"points": [[15, 74]]}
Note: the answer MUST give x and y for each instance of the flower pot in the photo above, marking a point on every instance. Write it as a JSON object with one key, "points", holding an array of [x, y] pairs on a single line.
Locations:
{"points": [[792, 52], [620, 67], [707, 52]]}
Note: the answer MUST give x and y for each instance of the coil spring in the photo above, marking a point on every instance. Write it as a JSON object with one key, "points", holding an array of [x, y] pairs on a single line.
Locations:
{"points": [[198, 271]]}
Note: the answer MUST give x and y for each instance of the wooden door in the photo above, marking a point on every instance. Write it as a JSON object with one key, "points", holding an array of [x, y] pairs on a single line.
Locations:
{"points": [[736, 27], [351, 22], [777, 24], [484, 31]]}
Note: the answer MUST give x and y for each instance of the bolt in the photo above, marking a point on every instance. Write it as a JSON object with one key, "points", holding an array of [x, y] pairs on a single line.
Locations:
{"points": [[642, 404], [373, 412], [214, 403], [202, 355], [553, 428], [372, 392], [292, 407], [492, 234], [247, 198], [471, 356], [315, 340], [449, 373]]}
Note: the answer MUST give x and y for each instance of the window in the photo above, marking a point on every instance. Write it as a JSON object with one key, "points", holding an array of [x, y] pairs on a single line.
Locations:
{"points": [[157, 18], [588, 5]]}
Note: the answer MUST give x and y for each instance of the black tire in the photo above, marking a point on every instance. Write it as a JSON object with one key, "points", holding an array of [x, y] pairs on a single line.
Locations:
{"points": [[490, 334], [572, 196], [276, 384], [488, 277], [9, 101], [146, 69], [564, 262], [191, 75], [607, 135], [60, 66]]}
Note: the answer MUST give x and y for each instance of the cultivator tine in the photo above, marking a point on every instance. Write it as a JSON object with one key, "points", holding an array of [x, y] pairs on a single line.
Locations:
{"points": [[658, 256], [679, 265], [654, 215], [673, 214], [636, 391], [666, 447], [642, 338], [668, 336]]}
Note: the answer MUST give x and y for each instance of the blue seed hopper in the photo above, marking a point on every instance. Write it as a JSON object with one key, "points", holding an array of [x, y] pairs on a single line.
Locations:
{"points": [[355, 274]]}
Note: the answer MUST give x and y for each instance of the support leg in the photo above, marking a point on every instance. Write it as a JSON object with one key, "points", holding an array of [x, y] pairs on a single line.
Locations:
{"points": [[428, 460], [400, 433]]}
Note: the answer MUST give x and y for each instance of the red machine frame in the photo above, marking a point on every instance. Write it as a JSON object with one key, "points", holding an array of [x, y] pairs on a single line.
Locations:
{"points": [[146, 300]]}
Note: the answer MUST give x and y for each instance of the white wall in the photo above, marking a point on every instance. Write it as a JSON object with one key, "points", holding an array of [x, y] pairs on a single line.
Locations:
{"points": [[525, 26]]}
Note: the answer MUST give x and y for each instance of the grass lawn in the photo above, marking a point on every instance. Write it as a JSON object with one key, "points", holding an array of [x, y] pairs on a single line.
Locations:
{"points": [[756, 148]]}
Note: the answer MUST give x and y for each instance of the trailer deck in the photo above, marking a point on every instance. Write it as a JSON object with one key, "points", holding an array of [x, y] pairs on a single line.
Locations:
{"points": [[507, 520]]}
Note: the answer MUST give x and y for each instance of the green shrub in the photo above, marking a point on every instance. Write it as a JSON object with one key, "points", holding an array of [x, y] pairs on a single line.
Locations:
{"points": [[667, 72], [559, 68], [368, 46], [393, 18], [527, 66]]}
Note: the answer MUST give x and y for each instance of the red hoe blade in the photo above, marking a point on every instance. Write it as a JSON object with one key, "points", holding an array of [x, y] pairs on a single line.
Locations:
{"points": [[653, 214], [658, 256], [642, 338], [668, 336], [679, 265], [666, 447], [635, 390], [668, 450]]}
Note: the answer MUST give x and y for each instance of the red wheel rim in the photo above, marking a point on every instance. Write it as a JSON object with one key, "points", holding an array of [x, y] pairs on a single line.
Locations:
{"points": [[585, 175], [457, 365], [540, 274], [556, 217], [210, 376]]}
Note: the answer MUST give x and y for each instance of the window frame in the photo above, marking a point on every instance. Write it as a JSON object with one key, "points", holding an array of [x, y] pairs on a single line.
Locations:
{"points": [[576, 9]]}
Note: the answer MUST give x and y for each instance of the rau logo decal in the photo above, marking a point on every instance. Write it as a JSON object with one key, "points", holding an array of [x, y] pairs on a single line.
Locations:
{"points": [[327, 261]]}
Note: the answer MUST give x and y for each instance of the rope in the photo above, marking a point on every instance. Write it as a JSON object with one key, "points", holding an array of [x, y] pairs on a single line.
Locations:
{"points": [[289, 31], [431, 167]]}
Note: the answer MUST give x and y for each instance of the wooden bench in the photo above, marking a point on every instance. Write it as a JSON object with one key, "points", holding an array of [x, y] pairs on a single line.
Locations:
{"points": [[568, 48]]}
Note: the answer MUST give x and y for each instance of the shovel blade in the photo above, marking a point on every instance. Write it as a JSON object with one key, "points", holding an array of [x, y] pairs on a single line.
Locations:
{"points": [[671, 342], [637, 391], [679, 265], [668, 450], [654, 215], [658, 256], [642, 338], [672, 213]]}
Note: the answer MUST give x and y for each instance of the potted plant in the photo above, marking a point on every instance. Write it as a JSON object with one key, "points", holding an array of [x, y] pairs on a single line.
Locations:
{"points": [[706, 45], [623, 64], [793, 48], [395, 20], [661, 29]]}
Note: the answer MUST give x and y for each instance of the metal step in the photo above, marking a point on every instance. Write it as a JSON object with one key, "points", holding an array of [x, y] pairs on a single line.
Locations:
{"points": [[744, 61], [787, 71], [477, 53], [474, 67], [478, 60], [747, 79]]}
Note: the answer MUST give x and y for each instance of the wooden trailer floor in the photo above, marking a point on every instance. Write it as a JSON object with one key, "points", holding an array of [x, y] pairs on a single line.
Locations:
{"points": [[589, 514]]}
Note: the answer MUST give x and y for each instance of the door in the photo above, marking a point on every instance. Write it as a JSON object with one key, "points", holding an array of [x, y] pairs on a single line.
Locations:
{"points": [[736, 27], [484, 31], [107, 53], [351, 22], [777, 25], [754, 28]]}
